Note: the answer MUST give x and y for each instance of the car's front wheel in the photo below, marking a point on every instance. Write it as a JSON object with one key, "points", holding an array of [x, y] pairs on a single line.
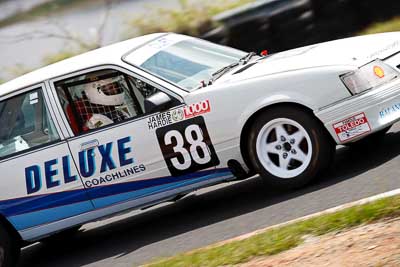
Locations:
{"points": [[289, 147]]}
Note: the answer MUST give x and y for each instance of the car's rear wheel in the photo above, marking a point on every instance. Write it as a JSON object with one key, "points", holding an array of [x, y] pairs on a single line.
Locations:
{"points": [[289, 147], [9, 248]]}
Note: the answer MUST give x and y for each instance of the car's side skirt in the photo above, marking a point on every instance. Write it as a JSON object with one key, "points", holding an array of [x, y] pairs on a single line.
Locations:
{"points": [[38, 232]]}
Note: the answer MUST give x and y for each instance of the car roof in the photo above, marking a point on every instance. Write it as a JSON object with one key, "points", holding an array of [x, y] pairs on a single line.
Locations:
{"points": [[111, 54]]}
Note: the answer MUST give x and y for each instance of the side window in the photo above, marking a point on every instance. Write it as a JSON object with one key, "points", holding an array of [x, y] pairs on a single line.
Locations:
{"points": [[142, 90], [25, 122], [101, 98]]}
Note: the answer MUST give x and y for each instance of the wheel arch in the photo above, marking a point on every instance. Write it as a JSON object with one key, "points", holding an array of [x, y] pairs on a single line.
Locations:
{"points": [[4, 222], [250, 120]]}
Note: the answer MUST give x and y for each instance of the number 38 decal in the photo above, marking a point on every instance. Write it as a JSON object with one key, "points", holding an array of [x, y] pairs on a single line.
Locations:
{"points": [[186, 146]]}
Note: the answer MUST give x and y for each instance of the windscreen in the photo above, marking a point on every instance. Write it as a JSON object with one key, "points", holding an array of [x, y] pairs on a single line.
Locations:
{"points": [[189, 62]]}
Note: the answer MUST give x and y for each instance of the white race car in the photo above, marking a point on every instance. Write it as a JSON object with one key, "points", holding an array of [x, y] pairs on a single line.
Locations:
{"points": [[154, 118]]}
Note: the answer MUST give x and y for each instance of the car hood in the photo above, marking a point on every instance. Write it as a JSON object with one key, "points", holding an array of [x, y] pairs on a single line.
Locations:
{"points": [[356, 51]]}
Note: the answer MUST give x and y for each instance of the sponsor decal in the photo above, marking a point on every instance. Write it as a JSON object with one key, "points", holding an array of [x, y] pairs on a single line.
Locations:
{"points": [[33, 98], [58, 171], [196, 109], [379, 72], [108, 178], [162, 43], [352, 127], [177, 115], [395, 108], [159, 120], [164, 119]]}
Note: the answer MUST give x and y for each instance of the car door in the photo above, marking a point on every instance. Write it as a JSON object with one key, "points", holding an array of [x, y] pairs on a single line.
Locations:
{"points": [[39, 183], [123, 148]]}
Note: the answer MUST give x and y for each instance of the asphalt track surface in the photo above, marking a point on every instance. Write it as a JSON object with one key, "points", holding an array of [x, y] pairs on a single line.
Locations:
{"points": [[223, 212]]}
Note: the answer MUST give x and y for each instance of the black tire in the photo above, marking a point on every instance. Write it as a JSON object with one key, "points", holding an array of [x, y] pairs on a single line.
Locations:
{"points": [[9, 248], [320, 157], [64, 235]]}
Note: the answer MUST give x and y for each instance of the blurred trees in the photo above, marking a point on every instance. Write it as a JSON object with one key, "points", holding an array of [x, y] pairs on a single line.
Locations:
{"points": [[74, 43], [191, 17]]}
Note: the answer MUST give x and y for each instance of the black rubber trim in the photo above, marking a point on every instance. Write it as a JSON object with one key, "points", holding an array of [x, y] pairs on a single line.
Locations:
{"points": [[249, 65]]}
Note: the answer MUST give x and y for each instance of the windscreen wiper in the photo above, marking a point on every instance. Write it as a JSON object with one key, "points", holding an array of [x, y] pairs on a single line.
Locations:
{"points": [[219, 73], [216, 75], [244, 60]]}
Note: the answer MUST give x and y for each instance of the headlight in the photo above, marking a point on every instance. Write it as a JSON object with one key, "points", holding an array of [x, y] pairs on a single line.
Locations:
{"points": [[369, 76]]}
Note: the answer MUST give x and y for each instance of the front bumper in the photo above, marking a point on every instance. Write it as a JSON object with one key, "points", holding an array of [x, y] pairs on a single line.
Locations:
{"points": [[360, 115]]}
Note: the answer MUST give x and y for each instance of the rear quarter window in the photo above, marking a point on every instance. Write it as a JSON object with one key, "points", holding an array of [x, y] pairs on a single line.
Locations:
{"points": [[25, 123]]}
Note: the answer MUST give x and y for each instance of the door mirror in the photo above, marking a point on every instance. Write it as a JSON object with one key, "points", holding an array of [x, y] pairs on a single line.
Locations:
{"points": [[157, 102]]}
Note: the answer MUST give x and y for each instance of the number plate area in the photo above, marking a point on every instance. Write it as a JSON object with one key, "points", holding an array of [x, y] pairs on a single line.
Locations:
{"points": [[186, 146]]}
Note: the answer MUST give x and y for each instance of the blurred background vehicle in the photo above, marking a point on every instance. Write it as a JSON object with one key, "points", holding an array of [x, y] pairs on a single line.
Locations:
{"points": [[285, 24]]}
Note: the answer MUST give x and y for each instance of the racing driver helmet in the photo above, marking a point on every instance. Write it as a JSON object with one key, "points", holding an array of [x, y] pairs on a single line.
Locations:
{"points": [[106, 92]]}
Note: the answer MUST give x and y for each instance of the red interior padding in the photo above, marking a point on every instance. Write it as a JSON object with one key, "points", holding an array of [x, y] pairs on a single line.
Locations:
{"points": [[82, 112]]}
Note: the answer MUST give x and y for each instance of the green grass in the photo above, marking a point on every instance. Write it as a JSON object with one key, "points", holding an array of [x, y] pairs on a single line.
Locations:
{"points": [[387, 26], [47, 9], [274, 241]]}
